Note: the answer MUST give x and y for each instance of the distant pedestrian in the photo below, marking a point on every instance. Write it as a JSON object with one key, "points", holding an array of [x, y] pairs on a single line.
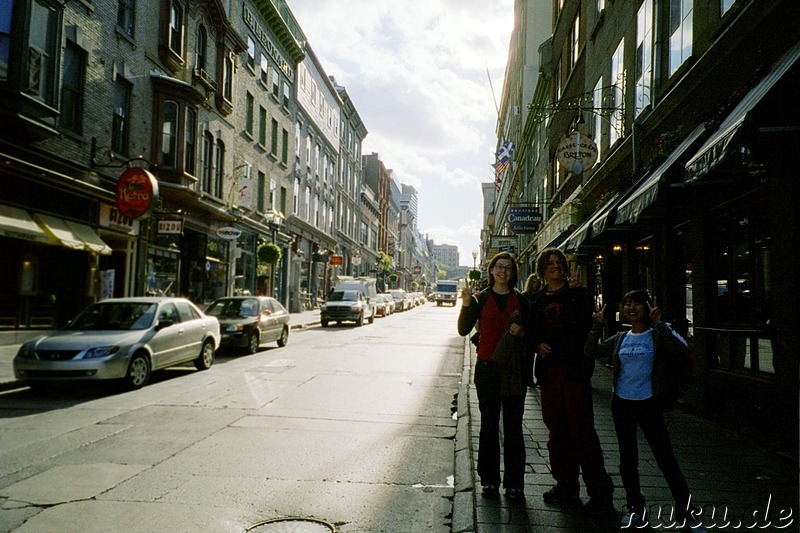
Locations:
{"points": [[532, 284], [560, 320], [647, 363], [495, 309]]}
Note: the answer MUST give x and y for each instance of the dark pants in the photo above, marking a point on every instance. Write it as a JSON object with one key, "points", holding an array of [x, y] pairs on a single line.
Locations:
{"points": [[646, 414], [491, 404], [573, 444]]}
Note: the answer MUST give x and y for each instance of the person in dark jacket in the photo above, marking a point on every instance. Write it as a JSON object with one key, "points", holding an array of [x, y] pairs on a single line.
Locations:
{"points": [[560, 318], [647, 363], [496, 308]]}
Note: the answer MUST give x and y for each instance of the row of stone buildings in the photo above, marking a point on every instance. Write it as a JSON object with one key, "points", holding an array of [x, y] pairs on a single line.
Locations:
{"points": [[682, 117], [246, 139]]}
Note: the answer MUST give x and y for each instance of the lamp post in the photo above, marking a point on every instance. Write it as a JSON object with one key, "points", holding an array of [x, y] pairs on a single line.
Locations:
{"points": [[274, 219], [474, 259]]}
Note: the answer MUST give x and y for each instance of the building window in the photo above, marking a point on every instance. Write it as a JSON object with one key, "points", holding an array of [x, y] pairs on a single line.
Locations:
{"points": [[120, 122], [176, 28], [219, 168], [260, 186], [644, 56], [169, 134], [296, 197], [307, 216], [6, 9], [262, 126], [725, 5], [73, 79], [286, 95], [251, 54], [680, 33], [276, 83], [201, 48], [206, 173], [248, 125], [285, 147], [264, 70], [576, 39], [273, 196], [274, 148], [597, 123], [125, 16], [42, 54], [227, 78], [190, 141], [616, 98]]}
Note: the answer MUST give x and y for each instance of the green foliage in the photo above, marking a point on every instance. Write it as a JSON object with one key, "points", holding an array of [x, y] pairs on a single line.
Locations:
{"points": [[269, 253], [474, 275]]}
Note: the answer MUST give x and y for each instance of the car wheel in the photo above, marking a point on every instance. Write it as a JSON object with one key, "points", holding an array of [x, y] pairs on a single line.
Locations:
{"points": [[206, 357], [324, 323], [283, 340], [360, 321], [139, 370], [372, 318], [253, 342]]}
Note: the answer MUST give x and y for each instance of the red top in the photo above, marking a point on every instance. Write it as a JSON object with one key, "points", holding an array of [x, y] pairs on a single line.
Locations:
{"points": [[493, 324]]}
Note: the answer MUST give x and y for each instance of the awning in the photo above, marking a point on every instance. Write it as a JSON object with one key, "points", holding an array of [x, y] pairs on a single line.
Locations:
{"points": [[17, 224], [647, 192], [720, 145], [72, 234], [585, 230]]}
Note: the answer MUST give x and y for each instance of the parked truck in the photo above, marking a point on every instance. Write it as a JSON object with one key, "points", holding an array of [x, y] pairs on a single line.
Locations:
{"points": [[446, 292]]}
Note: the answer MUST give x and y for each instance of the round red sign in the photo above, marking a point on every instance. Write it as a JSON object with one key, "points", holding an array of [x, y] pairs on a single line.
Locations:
{"points": [[137, 191]]}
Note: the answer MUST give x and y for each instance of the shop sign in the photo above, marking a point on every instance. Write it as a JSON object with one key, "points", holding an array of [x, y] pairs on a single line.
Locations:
{"points": [[576, 152], [170, 226], [112, 218], [136, 193], [336, 260], [502, 243], [524, 219], [228, 233]]}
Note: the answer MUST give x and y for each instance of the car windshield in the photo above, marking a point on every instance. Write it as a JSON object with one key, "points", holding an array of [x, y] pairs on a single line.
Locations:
{"points": [[343, 296], [234, 308], [107, 316]]}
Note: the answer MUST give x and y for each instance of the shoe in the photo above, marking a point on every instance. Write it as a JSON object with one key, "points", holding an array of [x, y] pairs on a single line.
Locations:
{"points": [[490, 491], [598, 506], [633, 518], [556, 496], [515, 494]]}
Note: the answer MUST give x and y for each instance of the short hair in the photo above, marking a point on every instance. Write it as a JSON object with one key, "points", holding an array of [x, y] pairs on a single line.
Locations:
{"points": [[639, 296], [512, 280], [541, 262]]}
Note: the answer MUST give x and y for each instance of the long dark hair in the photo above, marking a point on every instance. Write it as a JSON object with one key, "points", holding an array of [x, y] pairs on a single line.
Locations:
{"points": [[512, 280], [544, 256]]}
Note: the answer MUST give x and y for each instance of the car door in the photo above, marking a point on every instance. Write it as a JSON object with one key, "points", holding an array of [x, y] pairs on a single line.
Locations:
{"points": [[167, 343], [267, 321], [194, 330]]}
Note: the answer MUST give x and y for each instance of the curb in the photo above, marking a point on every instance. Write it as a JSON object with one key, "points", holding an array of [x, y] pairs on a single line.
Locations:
{"points": [[464, 520]]}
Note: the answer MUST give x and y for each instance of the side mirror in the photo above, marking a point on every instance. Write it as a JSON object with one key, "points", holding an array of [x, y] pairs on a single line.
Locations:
{"points": [[164, 324]]}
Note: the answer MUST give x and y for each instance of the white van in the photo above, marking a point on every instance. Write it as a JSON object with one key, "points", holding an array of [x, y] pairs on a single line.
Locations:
{"points": [[366, 286]]}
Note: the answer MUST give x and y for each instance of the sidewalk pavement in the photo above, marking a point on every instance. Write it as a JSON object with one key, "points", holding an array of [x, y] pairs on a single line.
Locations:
{"points": [[741, 485], [8, 351]]}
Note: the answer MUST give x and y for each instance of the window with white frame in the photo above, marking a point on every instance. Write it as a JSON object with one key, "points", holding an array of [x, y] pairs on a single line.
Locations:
{"points": [[597, 122], [644, 56], [125, 16], [680, 33], [576, 39], [201, 48], [176, 27], [72, 84], [169, 134], [251, 53], [120, 123], [616, 97]]}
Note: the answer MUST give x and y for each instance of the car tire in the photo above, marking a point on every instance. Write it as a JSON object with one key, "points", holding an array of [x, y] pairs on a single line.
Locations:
{"points": [[324, 323], [253, 342], [283, 340], [139, 371], [360, 321], [206, 357], [372, 318]]}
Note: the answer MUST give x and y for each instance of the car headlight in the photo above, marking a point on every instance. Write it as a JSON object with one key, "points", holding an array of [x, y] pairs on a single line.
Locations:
{"points": [[234, 328], [26, 351], [100, 351]]}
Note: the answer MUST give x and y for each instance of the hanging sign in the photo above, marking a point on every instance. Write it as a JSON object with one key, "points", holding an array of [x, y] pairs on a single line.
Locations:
{"points": [[523, 219], [336, 260], [136, 193], [576, 152], [228, 233]]}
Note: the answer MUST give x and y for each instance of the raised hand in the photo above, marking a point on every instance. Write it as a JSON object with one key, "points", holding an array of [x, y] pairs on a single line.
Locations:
{"points": [[655, 312], [599, 314]]}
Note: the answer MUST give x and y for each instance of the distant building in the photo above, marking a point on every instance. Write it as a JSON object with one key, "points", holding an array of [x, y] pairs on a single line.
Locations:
{"points": [[446, 254]]}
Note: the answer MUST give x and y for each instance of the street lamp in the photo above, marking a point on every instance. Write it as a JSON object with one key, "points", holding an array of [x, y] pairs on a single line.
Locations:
{"points": [[474, 259]]}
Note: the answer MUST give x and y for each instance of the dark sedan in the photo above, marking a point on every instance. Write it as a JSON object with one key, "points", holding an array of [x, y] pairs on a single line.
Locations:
{"points": [[250, 321]]}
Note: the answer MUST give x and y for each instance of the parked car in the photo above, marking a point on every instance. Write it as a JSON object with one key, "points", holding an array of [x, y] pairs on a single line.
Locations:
{"points": [[121, 338], [341, 306], [250, 321], [380, 305], [390, 305], [400, 299]]}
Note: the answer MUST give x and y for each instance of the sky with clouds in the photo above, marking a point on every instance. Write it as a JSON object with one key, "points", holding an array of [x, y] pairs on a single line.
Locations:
{"points": [[416, 71]]}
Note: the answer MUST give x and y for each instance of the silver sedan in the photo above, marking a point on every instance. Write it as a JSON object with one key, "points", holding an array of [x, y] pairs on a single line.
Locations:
{"points": [[121, 338]]}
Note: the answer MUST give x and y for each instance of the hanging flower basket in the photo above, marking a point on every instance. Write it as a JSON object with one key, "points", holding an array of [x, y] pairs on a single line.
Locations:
{"points": [[269, 253]]}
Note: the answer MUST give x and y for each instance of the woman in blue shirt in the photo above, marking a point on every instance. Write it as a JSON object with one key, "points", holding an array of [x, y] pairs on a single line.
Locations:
{"points": [[647, 362]]}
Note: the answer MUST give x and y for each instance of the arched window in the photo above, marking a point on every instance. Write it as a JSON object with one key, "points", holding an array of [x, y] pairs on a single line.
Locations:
{"points": [[201, 48]]}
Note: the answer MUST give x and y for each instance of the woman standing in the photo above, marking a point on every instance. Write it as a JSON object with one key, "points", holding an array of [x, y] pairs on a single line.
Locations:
{"points": [[494, 307], [647, 363], [560, 320]]}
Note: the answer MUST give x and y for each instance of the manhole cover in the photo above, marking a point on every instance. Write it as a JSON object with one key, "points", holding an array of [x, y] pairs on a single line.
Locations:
{"points": [[291, 525]]}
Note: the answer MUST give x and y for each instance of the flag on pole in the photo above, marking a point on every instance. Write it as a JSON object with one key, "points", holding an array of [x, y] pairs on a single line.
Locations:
{"points": [[503, 159]]}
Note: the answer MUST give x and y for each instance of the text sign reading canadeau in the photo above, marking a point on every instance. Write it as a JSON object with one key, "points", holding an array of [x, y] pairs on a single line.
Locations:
{"points": [[137, 192], [523, 219], [576, 152]]}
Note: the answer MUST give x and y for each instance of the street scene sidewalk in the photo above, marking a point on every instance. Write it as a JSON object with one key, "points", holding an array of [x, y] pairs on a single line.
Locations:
{"points": [[8, 351], [740, 484]]}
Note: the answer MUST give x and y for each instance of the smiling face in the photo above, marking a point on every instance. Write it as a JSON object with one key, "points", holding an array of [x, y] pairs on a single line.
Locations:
{"points": [[502, 270], [554, 268], [634, 311]]}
